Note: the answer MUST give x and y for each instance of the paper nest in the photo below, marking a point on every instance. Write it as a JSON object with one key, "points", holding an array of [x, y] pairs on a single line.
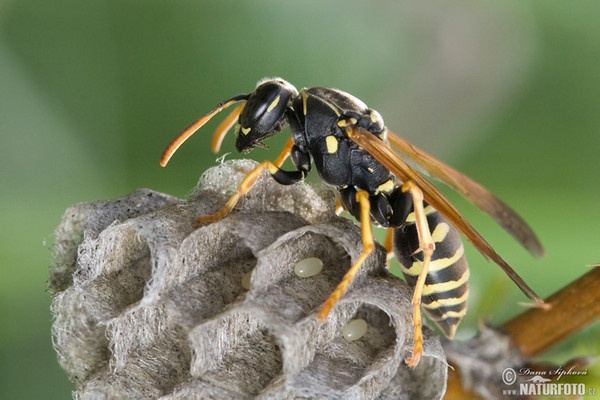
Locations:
{"points": [[146, 305]]}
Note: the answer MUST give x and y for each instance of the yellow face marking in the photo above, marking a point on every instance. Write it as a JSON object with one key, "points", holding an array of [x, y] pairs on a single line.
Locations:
{"points": [[245, 131], [434, 265], [445, 286], [273, 104], [332, 144], [428, 210], [373, 117], [439, 233], [385, 187]]}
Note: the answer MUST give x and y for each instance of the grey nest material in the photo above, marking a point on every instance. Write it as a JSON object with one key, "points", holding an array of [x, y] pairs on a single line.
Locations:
{"points": [[146, 305]]}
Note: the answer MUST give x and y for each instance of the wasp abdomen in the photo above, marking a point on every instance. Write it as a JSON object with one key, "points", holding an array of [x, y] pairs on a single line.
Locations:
{"points": [[446, 290]]}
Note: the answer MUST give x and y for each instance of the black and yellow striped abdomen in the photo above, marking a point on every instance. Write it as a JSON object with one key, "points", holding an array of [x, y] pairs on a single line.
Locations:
{"points": [[446, 289]]}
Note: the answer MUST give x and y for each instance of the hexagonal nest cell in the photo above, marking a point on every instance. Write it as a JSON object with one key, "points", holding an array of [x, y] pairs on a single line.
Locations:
{"points": [[147, 305]]}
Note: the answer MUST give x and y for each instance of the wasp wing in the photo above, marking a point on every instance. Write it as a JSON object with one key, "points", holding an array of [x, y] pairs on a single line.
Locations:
{"points": [[505, 216], [397, 166]]}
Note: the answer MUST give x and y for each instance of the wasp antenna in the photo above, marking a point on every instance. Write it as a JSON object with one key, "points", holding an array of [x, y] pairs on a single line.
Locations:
{"points": [[199, 123], [224, 127]]}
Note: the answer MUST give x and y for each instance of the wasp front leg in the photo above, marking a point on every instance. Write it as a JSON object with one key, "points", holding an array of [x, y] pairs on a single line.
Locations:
{"points": [[273, 168]]}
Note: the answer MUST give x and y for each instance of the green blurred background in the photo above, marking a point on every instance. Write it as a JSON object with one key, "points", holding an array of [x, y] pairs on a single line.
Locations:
{"points": [[91, 92]]}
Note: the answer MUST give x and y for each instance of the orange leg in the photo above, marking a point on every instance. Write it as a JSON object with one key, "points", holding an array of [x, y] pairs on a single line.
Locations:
{"points": [[368, 246], [245, 186], [339, 208], [389, 246], [427, 246], [285, 153], [224, 126]]}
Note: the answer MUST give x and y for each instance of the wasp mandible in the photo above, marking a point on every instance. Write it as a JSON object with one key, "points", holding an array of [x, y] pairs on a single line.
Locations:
{"points": [[352, 150]]}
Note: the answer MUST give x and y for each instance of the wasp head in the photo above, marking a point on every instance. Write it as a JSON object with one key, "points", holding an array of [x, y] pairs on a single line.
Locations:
{"points": [[264, 113]]}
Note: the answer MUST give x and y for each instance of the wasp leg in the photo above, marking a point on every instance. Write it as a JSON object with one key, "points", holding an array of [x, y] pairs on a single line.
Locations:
{"points": [[224, 126], [339, 207], [427, 246], [362, 197], [285, 153], [285, 177], [389, 247]]}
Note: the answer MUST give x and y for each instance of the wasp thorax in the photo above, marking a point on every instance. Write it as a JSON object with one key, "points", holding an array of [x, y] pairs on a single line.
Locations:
{"points": [[264, 113]]}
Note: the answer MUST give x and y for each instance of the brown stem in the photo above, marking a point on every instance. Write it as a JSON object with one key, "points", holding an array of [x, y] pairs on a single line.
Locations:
{"points": [[572, 308]]}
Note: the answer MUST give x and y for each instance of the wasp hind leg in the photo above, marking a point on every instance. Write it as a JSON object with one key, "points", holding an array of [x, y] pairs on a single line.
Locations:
{"points": [[389, 247], [281, 176], [427, 247], [362, 198]]}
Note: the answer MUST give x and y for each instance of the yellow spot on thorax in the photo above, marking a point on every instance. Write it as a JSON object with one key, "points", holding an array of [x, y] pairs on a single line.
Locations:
{"points": [[332, 144], [245, 131], [304, 96], [385, 187], [342, 123]]}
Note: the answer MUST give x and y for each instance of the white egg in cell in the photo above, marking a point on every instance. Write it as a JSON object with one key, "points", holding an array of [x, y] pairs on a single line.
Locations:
{"points": [[246, 280], [308, 267], [355, 329]]}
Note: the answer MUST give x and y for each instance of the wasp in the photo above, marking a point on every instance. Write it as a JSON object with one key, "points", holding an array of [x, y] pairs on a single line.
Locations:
{"points": [[352, 150]]}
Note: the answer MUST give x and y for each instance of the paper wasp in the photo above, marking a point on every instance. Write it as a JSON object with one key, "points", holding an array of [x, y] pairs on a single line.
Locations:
{"points": [[352, 150]]}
